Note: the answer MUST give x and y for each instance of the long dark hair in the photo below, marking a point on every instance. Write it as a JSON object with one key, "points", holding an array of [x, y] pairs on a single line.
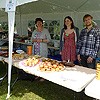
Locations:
{"points": [[72, 25]]}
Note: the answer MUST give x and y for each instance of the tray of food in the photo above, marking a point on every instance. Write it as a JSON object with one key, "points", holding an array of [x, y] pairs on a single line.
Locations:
{"points": [[50, 65], [16, 56], [30, 61], [4, 48], [4, 54]]}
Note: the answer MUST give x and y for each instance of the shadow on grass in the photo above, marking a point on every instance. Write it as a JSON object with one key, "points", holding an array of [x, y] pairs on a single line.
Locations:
{"points": [[46, 90], [36, 90]]}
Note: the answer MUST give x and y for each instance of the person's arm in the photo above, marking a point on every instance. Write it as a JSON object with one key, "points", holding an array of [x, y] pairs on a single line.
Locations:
{"points": [[79, 44], [97, 44], [96, 47], [33, 39], [48, 37], [77, 32], [61, 41], [37, 40]]}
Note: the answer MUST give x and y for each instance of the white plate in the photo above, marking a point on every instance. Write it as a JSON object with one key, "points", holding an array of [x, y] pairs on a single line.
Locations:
{"points": [[20, 51]]}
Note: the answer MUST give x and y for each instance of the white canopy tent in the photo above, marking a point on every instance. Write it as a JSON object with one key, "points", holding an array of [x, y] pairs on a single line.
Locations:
{"points": [[60, 6], [74, 8], [42, 6], [10, 7], [54, 6]]}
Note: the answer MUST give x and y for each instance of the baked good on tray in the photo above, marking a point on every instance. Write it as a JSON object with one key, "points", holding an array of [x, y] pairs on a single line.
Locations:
{"points": [[31, 61], [68, 64], [50, 65], [18, 56]]}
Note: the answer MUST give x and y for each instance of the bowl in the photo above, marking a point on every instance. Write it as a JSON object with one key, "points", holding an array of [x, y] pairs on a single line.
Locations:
{"points": [[20, 51]]}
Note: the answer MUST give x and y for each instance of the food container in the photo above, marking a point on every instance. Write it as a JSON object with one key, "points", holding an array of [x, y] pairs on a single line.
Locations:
{"points": [[29, 50], [4, 48], [98, 70]]}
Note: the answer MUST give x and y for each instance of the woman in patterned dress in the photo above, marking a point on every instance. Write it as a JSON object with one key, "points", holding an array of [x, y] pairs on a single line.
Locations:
{"points": [[69, 35], [40, 38]]}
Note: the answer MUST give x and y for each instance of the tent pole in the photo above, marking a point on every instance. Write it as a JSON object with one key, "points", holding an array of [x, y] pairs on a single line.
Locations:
{"points": [[11, 17], [10, 9]]}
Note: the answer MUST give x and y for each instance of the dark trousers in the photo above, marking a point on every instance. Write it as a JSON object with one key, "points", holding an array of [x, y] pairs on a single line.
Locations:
{"points": [[85, 64]]}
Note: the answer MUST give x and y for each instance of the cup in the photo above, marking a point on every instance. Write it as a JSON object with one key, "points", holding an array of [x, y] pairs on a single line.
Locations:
{"points": [[98, 71], [29, 50]]}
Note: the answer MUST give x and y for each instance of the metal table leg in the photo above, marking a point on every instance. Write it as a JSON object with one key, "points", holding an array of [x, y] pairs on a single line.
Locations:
{"points": [[2, 78], [14, 82]]}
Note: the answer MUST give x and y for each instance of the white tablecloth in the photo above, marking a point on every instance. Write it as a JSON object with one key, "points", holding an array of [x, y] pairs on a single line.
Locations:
{"points": [[93, 89], [75, 78]]}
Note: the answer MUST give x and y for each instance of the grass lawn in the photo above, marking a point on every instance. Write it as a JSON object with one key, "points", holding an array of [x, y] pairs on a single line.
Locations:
{"points": [[36, 90]]}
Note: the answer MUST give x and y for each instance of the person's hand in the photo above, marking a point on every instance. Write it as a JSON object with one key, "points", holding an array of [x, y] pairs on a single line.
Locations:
{"points": [[60, 53], [44, 40], [79, 58], [39, 40], [89, 60]]}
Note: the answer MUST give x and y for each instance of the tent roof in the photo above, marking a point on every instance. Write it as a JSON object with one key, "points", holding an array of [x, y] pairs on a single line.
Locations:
{"points": [[52, 6], [55, 6]]}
